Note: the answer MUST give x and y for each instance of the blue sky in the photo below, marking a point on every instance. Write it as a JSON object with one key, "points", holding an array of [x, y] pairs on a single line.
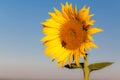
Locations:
{"points": [[21, 52]]}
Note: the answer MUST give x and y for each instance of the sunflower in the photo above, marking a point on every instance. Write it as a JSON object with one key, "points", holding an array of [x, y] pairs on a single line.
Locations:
{"points": [[68, 34]]}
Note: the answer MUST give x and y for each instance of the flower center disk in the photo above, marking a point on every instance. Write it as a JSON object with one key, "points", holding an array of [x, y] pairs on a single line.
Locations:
{"points": [[72, 35]]}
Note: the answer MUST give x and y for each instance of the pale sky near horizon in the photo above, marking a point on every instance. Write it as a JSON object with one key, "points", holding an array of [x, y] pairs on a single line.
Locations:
{"points": [[21, 52]]}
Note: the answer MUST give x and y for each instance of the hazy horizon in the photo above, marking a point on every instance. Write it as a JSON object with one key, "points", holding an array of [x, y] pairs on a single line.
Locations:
{"points": [[21, 52]]}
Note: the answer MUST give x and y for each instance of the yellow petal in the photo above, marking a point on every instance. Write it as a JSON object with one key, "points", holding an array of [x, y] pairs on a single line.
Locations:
{"points": [[65, 12], [63, 7], [94, 30], [58, 19], [64, 55], [58, 64], [63, 62], [70, 59], [90, 37], [70, 7], [90, 22], [87, 46], [91, 15], [82, 54], [65, 15], [87, 11], [75, 9], [50, 31], [58, 13], [51, 23], [93, 45], [83, 8], [52, 50], [48, 51], [58, 53], [76, 57], [85, 14], [67, 6], [53, 42], [82, 48], [49, 37], [80, 13]]}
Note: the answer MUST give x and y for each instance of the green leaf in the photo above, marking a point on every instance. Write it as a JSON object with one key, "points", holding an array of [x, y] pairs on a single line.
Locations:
{"points": [[74, 66], [98, 66]]}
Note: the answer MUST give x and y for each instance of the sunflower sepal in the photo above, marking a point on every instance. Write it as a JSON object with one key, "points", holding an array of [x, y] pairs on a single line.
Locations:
{"points": [[74, 66]]}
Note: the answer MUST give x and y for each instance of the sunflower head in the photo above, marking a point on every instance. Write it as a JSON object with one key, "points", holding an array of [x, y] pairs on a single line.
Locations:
{"points": [[68, 34]]}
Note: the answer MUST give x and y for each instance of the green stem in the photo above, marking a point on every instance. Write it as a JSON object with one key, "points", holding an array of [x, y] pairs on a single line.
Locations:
{"points": [[86, 69]]}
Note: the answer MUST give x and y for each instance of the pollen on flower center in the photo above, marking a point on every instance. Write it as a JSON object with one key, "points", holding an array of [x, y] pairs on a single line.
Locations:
{"points": [[72, 35]]}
